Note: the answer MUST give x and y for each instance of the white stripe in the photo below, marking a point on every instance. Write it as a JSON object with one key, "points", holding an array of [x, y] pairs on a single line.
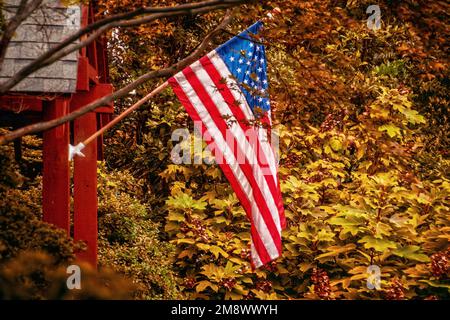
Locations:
{"points": [[244, 147], [226, 74], [258, 220], [255, 258]]}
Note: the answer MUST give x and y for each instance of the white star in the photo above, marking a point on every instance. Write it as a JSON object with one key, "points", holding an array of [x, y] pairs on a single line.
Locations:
{"points": [[238, 70], [248, 63], [250, 54], [247, 72], [241, 60], [263, 90], [258, 48], [257, 78], [245, 81], [251, 44], [267, 102], [259, 99], [259, 69], [261, 60], [231, 59], [264, 81]]}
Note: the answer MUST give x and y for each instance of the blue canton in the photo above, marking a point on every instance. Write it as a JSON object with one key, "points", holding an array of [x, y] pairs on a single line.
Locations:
{"points": [[245, 57]]}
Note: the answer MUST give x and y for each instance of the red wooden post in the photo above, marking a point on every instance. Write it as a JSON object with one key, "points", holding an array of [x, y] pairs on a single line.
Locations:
{"points": [[85, 188], [56, 183]]}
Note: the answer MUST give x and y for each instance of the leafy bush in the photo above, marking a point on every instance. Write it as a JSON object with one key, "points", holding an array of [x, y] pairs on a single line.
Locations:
{"points": [[364, 156], [352, 201], [363, 121], [129, 240], [360, 204], [34, 275], [34, 255], [20, 224]]}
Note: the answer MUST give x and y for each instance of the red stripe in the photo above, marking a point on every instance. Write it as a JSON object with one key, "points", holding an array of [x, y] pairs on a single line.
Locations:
{"points": [[240, 116], [245, 167], [259, 245]]}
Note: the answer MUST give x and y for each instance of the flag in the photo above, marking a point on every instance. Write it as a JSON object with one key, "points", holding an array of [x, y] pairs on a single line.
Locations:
{"points": [[226, 93]]}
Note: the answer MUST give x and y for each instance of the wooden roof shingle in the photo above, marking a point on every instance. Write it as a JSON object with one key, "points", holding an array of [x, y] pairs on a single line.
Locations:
{"points": [[51, 23]]}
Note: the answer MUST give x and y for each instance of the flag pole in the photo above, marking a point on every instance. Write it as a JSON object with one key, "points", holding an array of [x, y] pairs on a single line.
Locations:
{"points": [[76, 150]]}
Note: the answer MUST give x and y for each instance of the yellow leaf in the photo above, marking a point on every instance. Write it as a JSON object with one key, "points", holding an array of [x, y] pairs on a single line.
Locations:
{"points": [[390, 129], [202, 285], [336, 250], [380, 245], [336, 144]]}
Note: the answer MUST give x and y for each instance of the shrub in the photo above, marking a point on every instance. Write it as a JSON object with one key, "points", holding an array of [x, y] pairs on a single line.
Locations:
{"points": [[20, 224], [35, 275], [129, 239]]}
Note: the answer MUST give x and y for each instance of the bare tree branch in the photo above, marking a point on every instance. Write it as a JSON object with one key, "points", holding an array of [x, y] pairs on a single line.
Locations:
{"points": [[46, 125], [101, 26]]}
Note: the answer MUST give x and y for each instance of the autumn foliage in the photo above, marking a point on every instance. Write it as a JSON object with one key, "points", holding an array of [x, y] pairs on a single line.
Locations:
{"points": [[362, 117]]}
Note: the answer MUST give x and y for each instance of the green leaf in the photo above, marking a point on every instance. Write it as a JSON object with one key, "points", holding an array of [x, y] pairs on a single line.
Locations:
{"points": [[345, 221], [170, 226], [202, 285], [380, 245], [305, 266], [335, 144], [221, 219], [175, 216], [203, 246], [336, 250], [185, 201], [217, 250], [411, 253], [390, 129], [436, 284], [233, 296], [185, 240], [247, 280], [186, 253], [212, 271], [352, 225], [413, 116]]}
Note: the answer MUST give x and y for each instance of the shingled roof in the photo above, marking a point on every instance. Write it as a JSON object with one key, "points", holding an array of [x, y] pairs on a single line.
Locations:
{"points": [[47, 26]]}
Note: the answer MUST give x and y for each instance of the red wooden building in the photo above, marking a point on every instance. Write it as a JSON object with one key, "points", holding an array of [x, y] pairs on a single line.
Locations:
{"points": [[52, 92]]}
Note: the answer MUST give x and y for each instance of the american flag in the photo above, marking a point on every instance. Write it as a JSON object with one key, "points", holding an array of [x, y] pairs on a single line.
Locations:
{"points": [[226, 92]]}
